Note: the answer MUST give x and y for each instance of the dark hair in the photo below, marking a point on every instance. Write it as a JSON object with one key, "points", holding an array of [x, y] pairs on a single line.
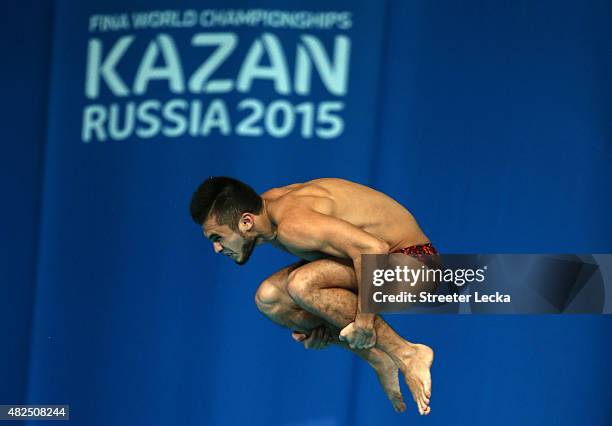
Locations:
{"points": [[224, 198]]}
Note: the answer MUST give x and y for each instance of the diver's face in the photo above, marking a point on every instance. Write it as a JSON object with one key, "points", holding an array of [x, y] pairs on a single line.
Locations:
{"points": [[236, 245]]}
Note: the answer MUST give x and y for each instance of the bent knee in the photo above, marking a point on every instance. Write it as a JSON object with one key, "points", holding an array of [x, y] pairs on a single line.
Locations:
{"points": [[268, 297], [299, 285]]}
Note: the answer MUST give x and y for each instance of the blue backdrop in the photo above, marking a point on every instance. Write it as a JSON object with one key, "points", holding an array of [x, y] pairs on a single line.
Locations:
{"points": [[491, 122]]}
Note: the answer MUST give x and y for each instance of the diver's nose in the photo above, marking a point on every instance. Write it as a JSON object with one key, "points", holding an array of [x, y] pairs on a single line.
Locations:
{"points": [[217, 247]]}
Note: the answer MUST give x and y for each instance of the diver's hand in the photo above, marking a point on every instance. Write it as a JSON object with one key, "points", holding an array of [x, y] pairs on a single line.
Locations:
{"points": [[319, 338], [360, 334]]}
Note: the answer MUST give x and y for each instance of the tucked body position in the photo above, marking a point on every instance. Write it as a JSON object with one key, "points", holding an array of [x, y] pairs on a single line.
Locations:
{"points": [[328, 224]]}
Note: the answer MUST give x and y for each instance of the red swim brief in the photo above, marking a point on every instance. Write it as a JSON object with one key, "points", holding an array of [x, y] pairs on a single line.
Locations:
{"points": [[422, 252]]}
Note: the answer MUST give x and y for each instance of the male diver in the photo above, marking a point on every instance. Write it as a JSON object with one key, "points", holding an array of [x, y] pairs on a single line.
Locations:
{"points": [[328, 224]]}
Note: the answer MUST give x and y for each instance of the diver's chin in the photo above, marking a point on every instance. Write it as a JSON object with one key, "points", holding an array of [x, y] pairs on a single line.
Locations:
{"points": [[246, 254], [243, 260]]}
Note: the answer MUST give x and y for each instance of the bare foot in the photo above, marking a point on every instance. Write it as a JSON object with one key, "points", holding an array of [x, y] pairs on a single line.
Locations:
{"points": [[386, 370], [415, 368]]}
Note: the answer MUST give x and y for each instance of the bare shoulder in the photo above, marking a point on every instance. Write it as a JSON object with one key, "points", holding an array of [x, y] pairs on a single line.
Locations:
{"points": [[337, 186], [274, 193], [295, 200], [279, 200]]}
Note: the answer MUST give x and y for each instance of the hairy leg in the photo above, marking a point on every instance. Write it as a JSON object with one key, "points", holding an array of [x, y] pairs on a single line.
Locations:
{"points": [[326, 288], [273, 300]]}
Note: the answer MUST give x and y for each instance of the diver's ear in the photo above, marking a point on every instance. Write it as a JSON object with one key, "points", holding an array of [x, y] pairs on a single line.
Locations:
{"points": [[247, 222]]}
